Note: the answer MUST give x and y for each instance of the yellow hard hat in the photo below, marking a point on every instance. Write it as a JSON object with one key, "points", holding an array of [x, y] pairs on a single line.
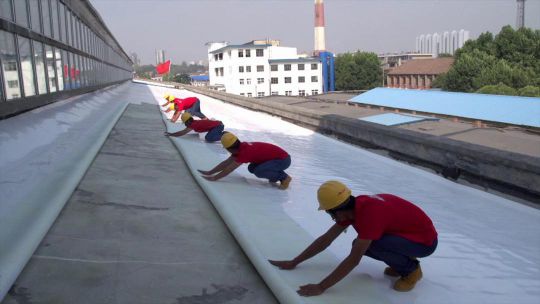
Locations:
{"points": [[166, 96], [171, 107], [228, 139], [332, 194], [170, 98], [185, 117]]}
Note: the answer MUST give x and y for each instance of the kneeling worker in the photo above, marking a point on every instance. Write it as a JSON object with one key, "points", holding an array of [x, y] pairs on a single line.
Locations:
{"points": [[213, 127], [266, 161], [390, 229], [191, 105]]}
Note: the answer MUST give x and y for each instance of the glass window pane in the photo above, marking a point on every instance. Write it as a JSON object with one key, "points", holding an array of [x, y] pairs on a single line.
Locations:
{"points": [[8, 57], [27, 68], [68, 26], [54, 16], [62, 16], [59, 69], [21, 15], [35, 15], [40, 67], [51, 68], [5, 10], [45, 15], [66, 70]]}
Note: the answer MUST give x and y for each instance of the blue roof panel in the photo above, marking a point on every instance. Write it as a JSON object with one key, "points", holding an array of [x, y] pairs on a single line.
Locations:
{"points": [[497, 108]]}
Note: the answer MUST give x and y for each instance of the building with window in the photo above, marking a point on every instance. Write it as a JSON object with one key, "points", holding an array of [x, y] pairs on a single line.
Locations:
{"points": [[418, 74], [261, 68], [52, 49]]}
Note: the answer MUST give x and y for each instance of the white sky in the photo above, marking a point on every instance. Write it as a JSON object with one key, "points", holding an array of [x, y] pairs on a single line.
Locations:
{"points": [[182, 27]]}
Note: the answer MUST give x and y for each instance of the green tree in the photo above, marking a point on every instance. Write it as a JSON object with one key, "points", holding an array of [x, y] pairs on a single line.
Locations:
{"points": [[462, 74], [357, 71], [498, 89], [182, 78], [511, 58], [529, 91]]}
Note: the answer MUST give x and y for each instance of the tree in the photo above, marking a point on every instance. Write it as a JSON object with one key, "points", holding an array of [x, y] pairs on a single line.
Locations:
{"points": [[182, 78], [529, 91], [357, 71], [499, 89], [511, 58]]}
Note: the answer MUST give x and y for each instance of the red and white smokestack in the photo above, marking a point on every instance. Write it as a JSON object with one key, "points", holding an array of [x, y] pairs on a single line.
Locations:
{"points": [[319, 27]]}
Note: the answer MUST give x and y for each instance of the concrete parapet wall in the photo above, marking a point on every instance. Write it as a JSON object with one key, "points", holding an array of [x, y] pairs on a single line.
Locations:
{"points": [[512, 173]]}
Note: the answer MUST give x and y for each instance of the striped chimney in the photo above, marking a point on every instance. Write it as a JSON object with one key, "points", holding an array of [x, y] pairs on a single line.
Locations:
{"points": [[319, 27]]}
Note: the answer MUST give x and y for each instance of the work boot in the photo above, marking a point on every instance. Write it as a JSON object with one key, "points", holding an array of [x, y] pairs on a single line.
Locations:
{"points": [[285, 183], [389, 271], [407, 282]]}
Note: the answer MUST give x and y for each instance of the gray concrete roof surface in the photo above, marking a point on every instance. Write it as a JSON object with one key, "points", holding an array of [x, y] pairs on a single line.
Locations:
{"points": [[138, 229]]}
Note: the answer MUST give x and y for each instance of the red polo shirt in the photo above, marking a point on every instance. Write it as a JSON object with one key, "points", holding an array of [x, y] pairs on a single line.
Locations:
{"points": [[258, 152], [376, 215], [204, 125], [185, 103]]}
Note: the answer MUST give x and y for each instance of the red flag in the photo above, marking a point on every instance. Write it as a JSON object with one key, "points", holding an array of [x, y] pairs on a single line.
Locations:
{"points": [[164, 67]]}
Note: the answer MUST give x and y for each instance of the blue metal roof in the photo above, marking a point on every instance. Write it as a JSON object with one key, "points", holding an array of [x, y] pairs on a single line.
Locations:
{"points": [[200, 78], [392, 119], [497, 108]]}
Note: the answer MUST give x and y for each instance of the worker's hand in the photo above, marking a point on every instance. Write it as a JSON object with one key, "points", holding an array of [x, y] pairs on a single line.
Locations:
{"points": [[287, 265], [310, 290], [204, 172], [167, 133], [210, 178]]}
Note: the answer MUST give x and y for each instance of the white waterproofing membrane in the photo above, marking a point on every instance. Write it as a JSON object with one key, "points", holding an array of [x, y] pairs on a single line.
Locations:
{"points": [[43, 155], [489, 247]]}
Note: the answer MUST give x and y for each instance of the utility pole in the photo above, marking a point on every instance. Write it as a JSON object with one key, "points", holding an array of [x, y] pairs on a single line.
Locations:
{"points": [[520, 19]]}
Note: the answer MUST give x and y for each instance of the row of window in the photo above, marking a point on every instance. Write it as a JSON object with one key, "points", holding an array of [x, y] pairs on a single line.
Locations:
{"points": [[274, 80], [301, 79], [31, 68], [55, 20], [247, 68], [287, 93], [241, 53], [288, 67], [247, 52]]}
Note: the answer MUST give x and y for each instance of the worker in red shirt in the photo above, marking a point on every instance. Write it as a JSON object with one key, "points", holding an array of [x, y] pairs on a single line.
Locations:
{"points": [[265, 161], [213, 127], [390, 229], [192, 105]]}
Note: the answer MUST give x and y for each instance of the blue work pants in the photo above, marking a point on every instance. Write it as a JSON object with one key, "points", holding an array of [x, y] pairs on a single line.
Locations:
{"points": [[195, 110], [215, 133], [273, 170], [399, 253]]}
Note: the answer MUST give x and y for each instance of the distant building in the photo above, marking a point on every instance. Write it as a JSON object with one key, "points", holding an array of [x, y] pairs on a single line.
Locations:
{"points": [[263, 67], [199, 80], [394, 60], [160, 56], [446, 43], [418, 74]]}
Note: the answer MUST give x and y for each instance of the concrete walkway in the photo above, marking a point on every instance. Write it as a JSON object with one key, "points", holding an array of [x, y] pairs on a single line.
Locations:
{"points": [[138, 229]]}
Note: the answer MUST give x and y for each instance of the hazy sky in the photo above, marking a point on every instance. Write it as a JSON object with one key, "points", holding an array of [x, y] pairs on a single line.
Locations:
{"points": [[182, 27]]}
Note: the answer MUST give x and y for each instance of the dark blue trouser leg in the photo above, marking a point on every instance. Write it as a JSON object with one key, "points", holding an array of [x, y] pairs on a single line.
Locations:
{"points": [[398, 252], [214, 134], [195, 110], [273, 170]]}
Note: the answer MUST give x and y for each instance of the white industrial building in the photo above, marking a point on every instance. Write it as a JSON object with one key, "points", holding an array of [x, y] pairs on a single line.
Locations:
{"points": [[261, 68], [446, 43]]}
